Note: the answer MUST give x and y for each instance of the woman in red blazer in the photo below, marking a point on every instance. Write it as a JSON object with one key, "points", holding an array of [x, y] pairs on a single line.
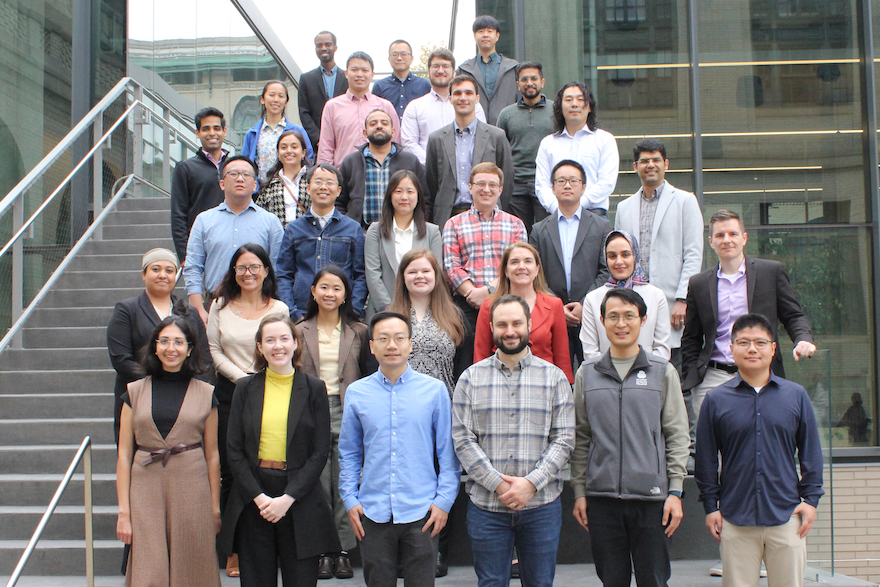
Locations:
{"points": [[520, 273]]}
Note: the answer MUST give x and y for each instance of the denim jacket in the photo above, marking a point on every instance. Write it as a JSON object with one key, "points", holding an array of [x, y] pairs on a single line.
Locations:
{"points": [[306, 248]]}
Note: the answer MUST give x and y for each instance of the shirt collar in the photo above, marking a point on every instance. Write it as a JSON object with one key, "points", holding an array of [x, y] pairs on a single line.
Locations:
{"points": [[657, 192], [585, 130], [332, 71], [577, 214], [402, 379], [438, 97], [402, 231], [328, 217], [521, 364], [223, 206], [740, 272], [541, 102], [481, 216], [493, 58], [370, 155], [739, 382], [472, 126], [209, 157], [282, 123], [354, 98]]}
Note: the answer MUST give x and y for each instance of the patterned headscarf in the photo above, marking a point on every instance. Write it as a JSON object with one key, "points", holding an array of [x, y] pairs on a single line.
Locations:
{"points": [[638, 276]]}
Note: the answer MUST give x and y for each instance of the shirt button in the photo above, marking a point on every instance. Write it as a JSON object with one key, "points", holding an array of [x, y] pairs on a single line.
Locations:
{"points": [[395, 434], [393, 412]]}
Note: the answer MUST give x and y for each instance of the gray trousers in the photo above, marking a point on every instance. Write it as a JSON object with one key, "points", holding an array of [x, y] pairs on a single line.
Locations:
{"points": [[330, 479]]}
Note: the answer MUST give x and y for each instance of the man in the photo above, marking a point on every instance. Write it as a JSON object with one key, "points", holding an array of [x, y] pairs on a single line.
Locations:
{"points": [[718, 296], [322, 236], [395, 427], [433, 111], [217, 233], [474, 241], [578, 137], [319, 85], [365, 173], [526, 123], [343, 119], [628, 465], [402, 86], [571, 243], [513, 428], [456, 148], [757, 507], [494, 73], [194, 186]]}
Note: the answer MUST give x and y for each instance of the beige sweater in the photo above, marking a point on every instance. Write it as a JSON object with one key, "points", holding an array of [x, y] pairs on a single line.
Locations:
{"points": [[231, 339]]}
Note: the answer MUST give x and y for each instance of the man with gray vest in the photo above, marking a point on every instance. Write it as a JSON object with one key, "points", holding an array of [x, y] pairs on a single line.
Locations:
{"points": [[628, 494]]}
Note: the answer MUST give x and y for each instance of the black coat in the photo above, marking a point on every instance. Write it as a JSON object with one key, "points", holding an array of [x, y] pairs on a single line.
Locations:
{"points": [[311, 97], [308, 447], [195, 187]]}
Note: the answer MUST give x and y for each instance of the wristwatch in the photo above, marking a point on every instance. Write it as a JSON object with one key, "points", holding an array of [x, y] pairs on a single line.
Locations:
{"points": [[491, 288], [678, 494]]}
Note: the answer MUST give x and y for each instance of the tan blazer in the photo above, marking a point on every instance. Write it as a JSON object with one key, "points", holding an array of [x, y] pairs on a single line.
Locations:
{"points": [[355, 358]]}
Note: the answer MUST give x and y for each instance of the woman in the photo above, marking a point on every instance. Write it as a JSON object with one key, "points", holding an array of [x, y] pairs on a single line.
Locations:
{"points": [[245, 296], [279, 440], [260, 141], [401, 229], [134, 319], [335, 349], [168, 466], [520, 273], [442, 343], [285, 192], [622, 257]]}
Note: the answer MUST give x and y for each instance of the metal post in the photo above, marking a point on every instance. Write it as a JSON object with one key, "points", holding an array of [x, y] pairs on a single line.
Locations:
{"points": [[98, 175], [594, 49], [451, 46], [696, 105], [166, 149], [17, 270], [519, 29], [138, 138], [87, 492]]}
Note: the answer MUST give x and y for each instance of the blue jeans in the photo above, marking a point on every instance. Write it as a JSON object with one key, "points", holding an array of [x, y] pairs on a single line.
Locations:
{"points": [[535, 533]]}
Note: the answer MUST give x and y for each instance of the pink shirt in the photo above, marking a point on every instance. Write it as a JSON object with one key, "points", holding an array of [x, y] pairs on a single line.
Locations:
{"points": [[733, 302], [342, 125]]}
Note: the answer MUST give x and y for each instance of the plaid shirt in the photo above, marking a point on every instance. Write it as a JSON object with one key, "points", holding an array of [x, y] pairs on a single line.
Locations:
{"points": [[647, 211], [518, 423], [376, 182], [473, 245]]}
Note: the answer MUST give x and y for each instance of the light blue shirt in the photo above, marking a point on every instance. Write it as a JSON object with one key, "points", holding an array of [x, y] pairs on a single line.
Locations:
{"points": [[330, 80], [568, 230], [216, 235], [393, 430], [465, 139]]}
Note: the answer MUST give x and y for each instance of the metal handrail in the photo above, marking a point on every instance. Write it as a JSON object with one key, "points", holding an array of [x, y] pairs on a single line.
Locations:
{"points": [[84, 455]]}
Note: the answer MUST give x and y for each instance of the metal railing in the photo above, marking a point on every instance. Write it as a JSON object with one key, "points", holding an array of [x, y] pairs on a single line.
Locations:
{"points": [[84, 455]]}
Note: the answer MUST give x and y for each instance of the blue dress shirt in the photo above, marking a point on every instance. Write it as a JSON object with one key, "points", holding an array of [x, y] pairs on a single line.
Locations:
{"points": [[216, 235], [568, 230], [758, 435], [394, 431], [329, 80], [465, 139], [401, 92]]}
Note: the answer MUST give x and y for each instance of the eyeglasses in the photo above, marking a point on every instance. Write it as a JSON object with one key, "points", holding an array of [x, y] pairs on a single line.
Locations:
{"points": [[178, 343], [242, 269], [744, 343], [487, 184], [396, 54], [318, 183], [439, 66], [398, 339], [654, 160], [618, 318], [529, 78], [563, 181], [234, 175]]}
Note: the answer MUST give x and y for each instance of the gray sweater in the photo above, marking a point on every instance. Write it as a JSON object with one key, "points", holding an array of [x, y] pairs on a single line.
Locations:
{"points": [[525, 126]]}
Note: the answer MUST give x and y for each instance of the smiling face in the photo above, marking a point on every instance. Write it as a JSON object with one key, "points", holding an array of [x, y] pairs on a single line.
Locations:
{"points": [[329, 293], [274, 99], [277, 345], [247, 281], [211, 133], [378, 128], [622, 323], [464, 99], [290, 152], [751, 359], [325, 48], [510, 328], [359, 74], [620, 259], [172, 348], [391, 343], [486, 39], [575, 107], [159, 278], [651, 167], [568, 186], [323, 189], [485, 191], [419, 278], [522, 267], [404, 197], [728, 239], [530, 83], [440, 72]]}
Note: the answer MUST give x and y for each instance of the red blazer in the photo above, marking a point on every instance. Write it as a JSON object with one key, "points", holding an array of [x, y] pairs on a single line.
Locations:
{"points": [[548, 336]]}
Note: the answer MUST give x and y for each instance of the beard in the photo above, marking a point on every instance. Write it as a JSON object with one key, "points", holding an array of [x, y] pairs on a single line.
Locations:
{"points": [[379, 139], [511, 350]]}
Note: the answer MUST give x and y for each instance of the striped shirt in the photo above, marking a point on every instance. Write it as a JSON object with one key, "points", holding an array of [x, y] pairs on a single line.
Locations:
{"points": [[516, 422], [473, 244], [376, 182], [647, 211]]}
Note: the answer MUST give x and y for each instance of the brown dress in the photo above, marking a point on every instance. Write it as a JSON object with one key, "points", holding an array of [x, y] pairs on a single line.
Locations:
{"points": [[173, 538]]}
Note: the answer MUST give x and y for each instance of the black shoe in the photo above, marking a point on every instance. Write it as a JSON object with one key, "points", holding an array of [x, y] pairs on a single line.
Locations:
{"points": [[343, 567], [399, 572], [514, 570], [442, 565], [325, 567]]}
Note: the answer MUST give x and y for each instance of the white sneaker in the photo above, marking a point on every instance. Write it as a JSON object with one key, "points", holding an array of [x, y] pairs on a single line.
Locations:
{"points": [[716, 570]]}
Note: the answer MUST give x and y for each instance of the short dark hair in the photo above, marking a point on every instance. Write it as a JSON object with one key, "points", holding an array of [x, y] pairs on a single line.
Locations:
{"points": [[373, 111], [332, 36], [229, 160], [380, 316], [484, 21], [648, 145], [441, 53], [192, 365], [229, 290], [724, 215], [753, 320], [209, 111], [400, 41], [628, 296], [510, 299], [569, 163], [559, 119], [529, 65], [462, 78], [326, 167], [363, 57], [260, 362]]}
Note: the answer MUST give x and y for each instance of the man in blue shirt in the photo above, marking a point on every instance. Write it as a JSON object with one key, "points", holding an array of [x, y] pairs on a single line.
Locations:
{"points": [[394, 424], [322, 236], [402, 86], [757, 507], [217, 233]]}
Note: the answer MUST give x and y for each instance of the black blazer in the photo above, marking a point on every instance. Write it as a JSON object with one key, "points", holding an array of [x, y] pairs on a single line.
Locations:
{"points": [[588, 267], [311, 97], [769, 293], [308, 446]]}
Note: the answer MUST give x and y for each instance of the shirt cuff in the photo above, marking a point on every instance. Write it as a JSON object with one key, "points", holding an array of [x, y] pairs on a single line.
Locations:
{"points": [[350, 503], [676, 484], [443, 504], [710, 507], [538, 479]]}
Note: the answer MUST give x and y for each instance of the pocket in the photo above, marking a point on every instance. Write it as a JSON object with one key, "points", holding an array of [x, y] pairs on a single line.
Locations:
{"points": [[340, 250]]}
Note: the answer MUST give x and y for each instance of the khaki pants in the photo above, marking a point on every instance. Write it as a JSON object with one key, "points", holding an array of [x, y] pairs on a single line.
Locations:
{"points": [[714, 377], [784, 553]]}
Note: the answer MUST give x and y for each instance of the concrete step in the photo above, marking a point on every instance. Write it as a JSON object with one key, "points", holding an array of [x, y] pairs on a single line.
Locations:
{"points": [[122, 262], [53, 360], [46, 317], [144, 231], [138, 217], [79, 298], [36, 431], [137, 204], [38, 489], [93, 280], [54, 458], [64, 337], [62, 557], [66, 523], [136, 245], [67, 381], [52, 405]]}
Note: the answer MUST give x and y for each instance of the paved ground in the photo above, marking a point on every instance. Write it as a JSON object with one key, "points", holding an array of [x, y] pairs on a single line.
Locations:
{"points": [[684, 574]]}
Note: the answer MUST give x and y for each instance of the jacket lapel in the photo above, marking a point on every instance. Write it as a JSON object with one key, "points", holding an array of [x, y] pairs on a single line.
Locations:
{"points": [[583, 228], [310, 341], [390, 253], [481, 140], [557, 241], [345, 343], [146, 308], [713, 293], [662, 206], [256, 393], [448, 141], [544, 314], [751, 278], [299, 395]]}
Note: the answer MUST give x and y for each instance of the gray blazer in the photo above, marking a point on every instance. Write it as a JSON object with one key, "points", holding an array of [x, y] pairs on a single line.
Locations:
{"points": [[506, 92], [490, 144], [381, 264]]}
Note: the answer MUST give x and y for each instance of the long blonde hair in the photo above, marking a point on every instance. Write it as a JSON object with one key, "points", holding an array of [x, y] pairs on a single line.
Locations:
{"points": [[444, 311], [540, 283]]}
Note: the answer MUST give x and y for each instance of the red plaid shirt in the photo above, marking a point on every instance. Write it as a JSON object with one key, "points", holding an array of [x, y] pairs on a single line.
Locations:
{"points": [[473, 245]]}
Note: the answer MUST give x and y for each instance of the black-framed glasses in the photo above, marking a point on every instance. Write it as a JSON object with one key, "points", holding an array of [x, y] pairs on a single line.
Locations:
{"points": [[252, 269]]}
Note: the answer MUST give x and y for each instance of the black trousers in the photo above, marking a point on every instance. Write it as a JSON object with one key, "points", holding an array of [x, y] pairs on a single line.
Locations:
{"points": [[627, 536], [263, 547], [385, 546], [525, 205], [223, 392]]}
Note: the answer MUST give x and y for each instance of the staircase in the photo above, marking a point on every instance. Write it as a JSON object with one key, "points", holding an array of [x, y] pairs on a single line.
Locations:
{"points": [[59, 389]]}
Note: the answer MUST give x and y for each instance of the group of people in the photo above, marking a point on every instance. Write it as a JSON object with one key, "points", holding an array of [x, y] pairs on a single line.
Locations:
{"points": [[437, 295]]}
